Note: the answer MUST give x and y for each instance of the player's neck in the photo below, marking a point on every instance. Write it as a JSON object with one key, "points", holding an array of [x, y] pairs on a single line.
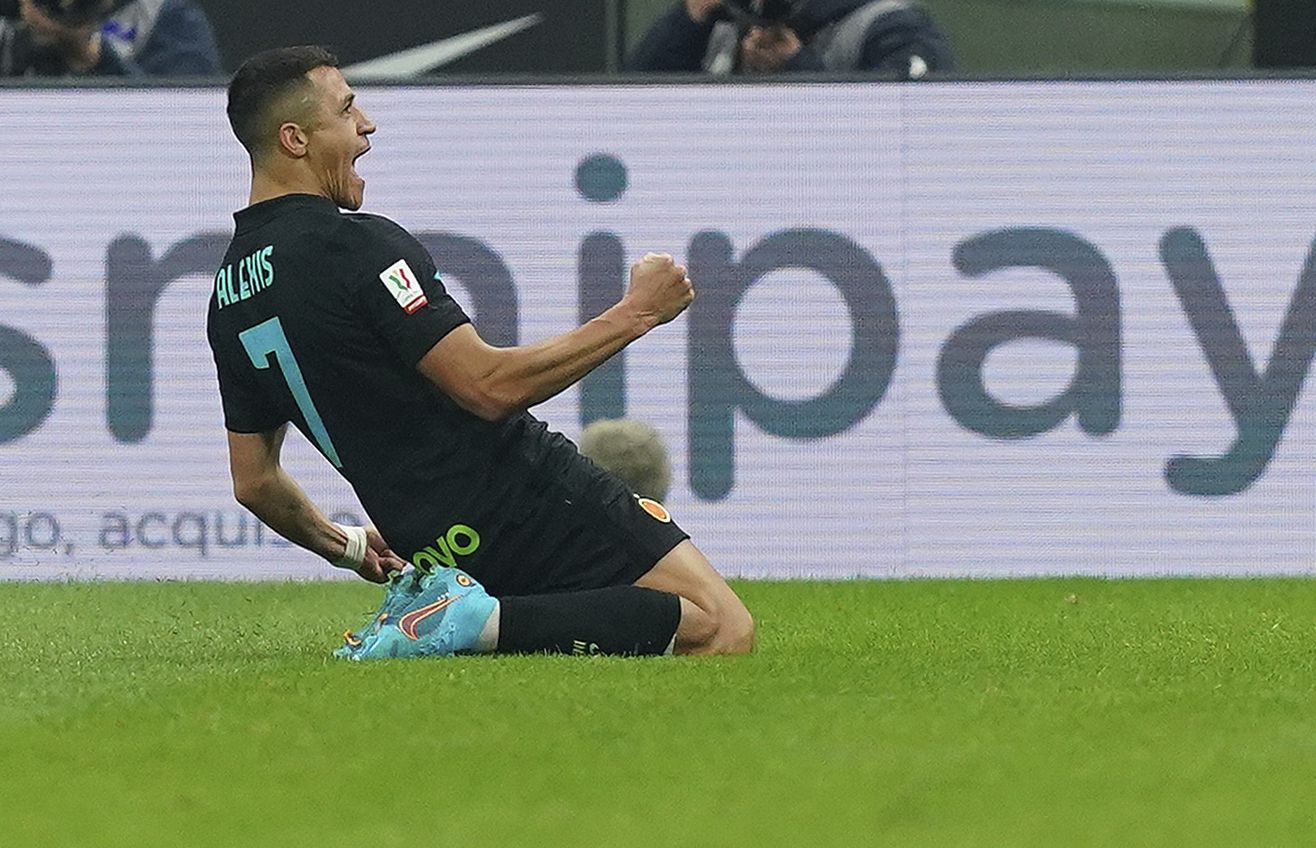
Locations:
{"points": [[267, 185]]}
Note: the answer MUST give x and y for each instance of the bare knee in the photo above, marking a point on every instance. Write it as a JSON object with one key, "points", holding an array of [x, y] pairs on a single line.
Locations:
{"points": [[696, 629], [728, 629], [713, 619], [735, 631]]}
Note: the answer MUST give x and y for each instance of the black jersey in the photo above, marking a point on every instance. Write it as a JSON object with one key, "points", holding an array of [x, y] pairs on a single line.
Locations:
{"points": [[319, 318]]}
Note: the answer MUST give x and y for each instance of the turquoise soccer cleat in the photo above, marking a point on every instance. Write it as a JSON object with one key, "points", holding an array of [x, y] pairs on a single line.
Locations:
{"points": [[423, 615]]}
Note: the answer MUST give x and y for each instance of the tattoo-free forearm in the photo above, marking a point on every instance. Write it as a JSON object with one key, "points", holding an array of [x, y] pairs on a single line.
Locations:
{"points": [[494, 383], [530, 374], [277, 500]]}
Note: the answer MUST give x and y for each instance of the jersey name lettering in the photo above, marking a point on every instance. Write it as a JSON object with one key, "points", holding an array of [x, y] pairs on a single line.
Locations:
{"points": [[255, 274]]}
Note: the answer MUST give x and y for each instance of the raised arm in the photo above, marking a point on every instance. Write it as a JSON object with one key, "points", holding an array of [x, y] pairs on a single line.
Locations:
{"points": [[262, 486], [495, 383]]}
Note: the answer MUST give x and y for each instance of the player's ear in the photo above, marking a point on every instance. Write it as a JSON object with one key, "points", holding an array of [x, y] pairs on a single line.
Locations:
{"points": [[292, 139]]}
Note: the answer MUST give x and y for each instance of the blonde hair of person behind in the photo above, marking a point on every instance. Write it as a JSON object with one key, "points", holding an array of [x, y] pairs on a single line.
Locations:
{"points": [[633, 451]]}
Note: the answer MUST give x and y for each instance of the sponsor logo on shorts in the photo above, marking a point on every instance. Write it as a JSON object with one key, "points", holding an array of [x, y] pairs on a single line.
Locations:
{"points": [[655, 509], [402, 283], [409, 623]]}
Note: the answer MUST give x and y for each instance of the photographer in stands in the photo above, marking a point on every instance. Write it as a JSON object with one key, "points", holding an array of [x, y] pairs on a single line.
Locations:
{"points": [[897, 37], [105, 38]]}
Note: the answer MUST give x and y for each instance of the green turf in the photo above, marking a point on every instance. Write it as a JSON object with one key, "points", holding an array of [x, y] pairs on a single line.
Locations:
{"points": [[1039, 713]]}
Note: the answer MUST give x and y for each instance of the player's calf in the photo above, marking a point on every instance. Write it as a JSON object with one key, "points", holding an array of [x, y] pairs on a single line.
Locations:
{"points": [[623, 620]]}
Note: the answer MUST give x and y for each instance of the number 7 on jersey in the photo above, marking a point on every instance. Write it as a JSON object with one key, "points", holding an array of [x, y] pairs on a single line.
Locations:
{"points": [[267, 338]]}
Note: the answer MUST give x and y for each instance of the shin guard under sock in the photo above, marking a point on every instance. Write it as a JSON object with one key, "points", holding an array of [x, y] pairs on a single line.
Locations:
{"points": [[626, 620]]}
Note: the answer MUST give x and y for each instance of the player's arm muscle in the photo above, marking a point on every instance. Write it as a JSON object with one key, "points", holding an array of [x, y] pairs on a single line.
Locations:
{"points": [[495, 383], [262, 486]]}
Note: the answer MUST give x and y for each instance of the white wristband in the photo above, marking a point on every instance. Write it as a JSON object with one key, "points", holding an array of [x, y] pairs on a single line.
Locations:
{"points": [[355, 555]]}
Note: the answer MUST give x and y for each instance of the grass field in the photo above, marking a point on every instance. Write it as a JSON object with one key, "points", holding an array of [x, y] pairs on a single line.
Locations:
{"points": [[1038, 713]]}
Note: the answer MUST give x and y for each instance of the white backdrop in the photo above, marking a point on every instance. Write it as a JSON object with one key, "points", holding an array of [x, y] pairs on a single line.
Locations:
{"points": [[907, 174]]}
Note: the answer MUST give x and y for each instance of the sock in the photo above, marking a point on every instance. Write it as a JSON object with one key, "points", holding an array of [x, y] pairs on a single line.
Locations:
{"points": [[625, 620]]}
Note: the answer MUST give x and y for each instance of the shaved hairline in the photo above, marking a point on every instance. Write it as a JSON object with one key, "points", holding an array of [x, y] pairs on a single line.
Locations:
{"points": [[298, 105]]}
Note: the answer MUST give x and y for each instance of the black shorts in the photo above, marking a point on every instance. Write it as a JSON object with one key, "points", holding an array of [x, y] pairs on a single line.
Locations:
{"points": [[571, 526]]}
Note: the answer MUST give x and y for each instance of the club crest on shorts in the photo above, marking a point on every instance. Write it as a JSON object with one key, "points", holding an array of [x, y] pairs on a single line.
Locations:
{"points": [[403, 284], [655, 509]]}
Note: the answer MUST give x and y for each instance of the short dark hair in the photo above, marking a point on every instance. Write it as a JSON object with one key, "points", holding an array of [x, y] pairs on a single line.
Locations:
{"points": [[262, 80]]}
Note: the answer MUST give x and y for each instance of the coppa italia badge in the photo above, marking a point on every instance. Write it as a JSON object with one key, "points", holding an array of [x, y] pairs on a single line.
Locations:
{"points": [[401, 282]]}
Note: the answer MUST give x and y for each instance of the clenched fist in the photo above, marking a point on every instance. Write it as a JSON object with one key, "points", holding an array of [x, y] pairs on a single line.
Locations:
{"points": [[659, 289]]}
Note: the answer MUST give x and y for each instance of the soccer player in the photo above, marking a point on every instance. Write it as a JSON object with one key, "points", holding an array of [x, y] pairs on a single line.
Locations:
{"points": [[339, 324]]}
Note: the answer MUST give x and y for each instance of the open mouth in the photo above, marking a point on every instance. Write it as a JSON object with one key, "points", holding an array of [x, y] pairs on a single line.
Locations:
{"points": [[355, 174]]}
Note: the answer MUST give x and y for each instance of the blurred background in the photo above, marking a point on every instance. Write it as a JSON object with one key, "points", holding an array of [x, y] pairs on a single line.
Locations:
{"points": [[990, 37]]}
